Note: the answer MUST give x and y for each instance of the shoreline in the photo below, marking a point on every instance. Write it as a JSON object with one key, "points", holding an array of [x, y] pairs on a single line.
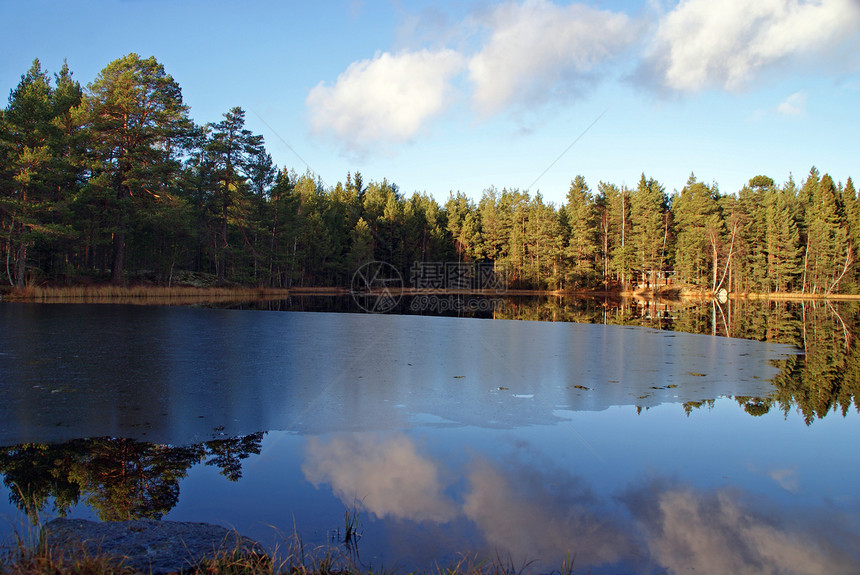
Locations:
{"points": [[157, 294]]}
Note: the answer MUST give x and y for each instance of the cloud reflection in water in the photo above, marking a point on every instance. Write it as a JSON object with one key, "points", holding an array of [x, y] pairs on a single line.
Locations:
{"points": [[725, 531], [385, 474], [542, 512], [531, 514]]}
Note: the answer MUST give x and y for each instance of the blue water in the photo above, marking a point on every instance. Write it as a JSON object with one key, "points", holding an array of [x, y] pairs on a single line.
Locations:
{"points": [[527, 441]]}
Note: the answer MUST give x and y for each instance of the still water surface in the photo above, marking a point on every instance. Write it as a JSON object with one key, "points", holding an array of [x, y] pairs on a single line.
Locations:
{"points": [[626, 448]]}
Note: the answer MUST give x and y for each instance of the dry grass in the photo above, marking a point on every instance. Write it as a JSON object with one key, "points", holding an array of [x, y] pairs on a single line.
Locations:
{"points": [[174, 295], [29, 559], [796, 296], [328, 563], [37, 559], [43, 563], [144, 294]]}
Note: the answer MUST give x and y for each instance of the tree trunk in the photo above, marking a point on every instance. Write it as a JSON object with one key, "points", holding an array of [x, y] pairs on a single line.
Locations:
{"points": [[21, 265], [805, 260], [222, 259], [716, 264], [9, 255], [623, 242], [118, 257], [122, 193]]}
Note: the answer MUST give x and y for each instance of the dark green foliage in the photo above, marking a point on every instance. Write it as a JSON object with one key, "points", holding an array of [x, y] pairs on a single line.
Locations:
{"points": [[582, 247], [137, 124], [649, 212], [242, 172], [700, 228], [617, 206], [39, 172]]}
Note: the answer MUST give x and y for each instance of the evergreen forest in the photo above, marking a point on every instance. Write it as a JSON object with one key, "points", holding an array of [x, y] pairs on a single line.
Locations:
{"points": [[114, 181]]}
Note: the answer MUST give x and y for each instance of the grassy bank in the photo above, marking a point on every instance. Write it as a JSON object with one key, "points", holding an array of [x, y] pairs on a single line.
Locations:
{"points": [[796, 296], [295, 560], [175, 295], [142, 294]]}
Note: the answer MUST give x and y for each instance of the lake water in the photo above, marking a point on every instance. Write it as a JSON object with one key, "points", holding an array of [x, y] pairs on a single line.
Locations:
{"points": [[622, 447]]}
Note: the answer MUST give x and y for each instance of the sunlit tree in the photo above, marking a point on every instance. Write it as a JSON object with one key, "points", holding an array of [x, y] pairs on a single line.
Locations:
{"points": [[137, 123]]}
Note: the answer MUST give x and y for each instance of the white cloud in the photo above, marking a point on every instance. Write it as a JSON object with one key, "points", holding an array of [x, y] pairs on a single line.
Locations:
{"points": [[727, 44], [793, 105], [388, 98], [538, 51], [522, 55]]}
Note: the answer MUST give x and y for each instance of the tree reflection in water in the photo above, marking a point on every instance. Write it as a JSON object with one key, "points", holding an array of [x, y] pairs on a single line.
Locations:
{"points": [[825, 379], [118, 478], [677, 524]]}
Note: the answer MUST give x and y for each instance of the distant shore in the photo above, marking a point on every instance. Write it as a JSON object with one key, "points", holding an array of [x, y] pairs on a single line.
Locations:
{"points": [[158, 294]]}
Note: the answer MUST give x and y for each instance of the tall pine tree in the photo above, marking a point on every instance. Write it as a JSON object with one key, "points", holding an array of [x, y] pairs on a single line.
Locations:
{"points": [[136, 120]]}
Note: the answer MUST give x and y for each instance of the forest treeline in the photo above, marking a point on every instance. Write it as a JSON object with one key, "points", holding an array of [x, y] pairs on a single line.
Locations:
{"points": [[113, 180]]}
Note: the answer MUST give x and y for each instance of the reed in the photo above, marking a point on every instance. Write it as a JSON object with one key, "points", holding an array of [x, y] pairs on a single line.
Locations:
{"points": [[141, 293], [39, 559], [797, 296], [28, 554]]}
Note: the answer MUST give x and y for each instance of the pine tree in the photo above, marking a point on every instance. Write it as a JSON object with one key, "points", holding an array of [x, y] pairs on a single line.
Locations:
{"points": [[699, 228], [361, 245], [237, 156], [283, 228], [582, 242], [26, 135], [545, 241], [623, 254], [512, 210], [607, 227], [495, 234], [261, 175], [464, 225], [852, 215], [136, 119], [828, 255], [648, 210], [749, 268], [783, 241]]}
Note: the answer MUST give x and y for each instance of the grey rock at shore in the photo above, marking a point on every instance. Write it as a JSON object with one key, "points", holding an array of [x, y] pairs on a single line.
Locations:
{"points": [[146, 545]]}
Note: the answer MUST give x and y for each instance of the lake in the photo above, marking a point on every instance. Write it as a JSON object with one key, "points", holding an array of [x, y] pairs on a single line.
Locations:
{"points": [[628, 437]]}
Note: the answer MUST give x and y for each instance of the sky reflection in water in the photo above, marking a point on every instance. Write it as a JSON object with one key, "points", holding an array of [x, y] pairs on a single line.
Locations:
{"points": [[450, 435], [171, 375], [686, 502]]}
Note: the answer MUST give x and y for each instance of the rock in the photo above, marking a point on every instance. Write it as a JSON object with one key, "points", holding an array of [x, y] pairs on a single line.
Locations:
{"points": [[146, 545]]}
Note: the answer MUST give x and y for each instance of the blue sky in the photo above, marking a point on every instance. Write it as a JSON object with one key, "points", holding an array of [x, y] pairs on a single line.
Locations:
{"points": [[461, 96]]}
